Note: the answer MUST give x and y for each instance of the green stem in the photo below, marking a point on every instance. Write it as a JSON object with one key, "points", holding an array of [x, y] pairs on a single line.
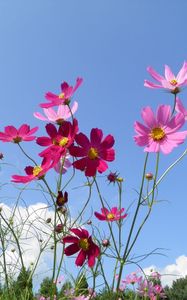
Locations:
{"points": [[133, 222]]}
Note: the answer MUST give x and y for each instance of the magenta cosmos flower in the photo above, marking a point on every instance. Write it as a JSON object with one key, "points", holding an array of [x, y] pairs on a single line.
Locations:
{"points": [[33, 173], [58, 141], [63, 113], [81, 242], [180, 108], [132, 278], [67, 92], [170, 81], [160, 132], [94, 152], [114, 214], [24, 133]]}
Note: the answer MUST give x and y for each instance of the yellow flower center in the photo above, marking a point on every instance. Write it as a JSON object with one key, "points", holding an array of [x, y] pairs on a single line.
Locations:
{"points": [[61, 96], [63, 142], [36, 170], [173, 82], [110, 216], [84, 244], [157, 134], [93, 153]]}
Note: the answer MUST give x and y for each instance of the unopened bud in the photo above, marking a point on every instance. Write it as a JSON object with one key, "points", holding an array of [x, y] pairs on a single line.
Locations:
{"points": [[48, 220], [89, 222], [1, 155], [105, 243], [59, 228], [149, 176]]}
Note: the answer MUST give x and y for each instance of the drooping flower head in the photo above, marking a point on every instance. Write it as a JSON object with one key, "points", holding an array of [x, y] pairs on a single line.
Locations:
{"points": [[81, 242], [161, 131], [58, 141], [180, 108], [63, 113], [33, 173], [23, 133], [62, 198], [170, 81], [114, 214], [95, 152], [64, 97]]}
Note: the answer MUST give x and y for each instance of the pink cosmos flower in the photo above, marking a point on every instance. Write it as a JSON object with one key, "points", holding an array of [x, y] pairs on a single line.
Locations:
{"points": [[170, 81], [110, 215], [158, 290], [145, 288], [160, 132], [63, 165], [180, 108], [63, 113], [58, 141], [33, 173], [82, 242], [67, 92], [24, 133], [132, 278], [81, 297], [94, 152]]}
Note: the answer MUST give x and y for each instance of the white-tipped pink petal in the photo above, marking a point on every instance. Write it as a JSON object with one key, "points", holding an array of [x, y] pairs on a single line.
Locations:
{"points": [[168, 73], [50, 114], [154, 74], [40, 116]]}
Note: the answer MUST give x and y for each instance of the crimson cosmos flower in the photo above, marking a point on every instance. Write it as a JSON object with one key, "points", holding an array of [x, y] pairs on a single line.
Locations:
{"points": [[94, 152], [67, 92], [83, 244], [58, 141], [110, 215], [33, 173], [23, 133]]}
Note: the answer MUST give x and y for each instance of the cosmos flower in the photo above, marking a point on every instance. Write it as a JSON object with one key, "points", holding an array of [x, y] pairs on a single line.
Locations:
{"points": [[170, 81], [160, 132], [33, 173], [114, 214], [58, 141], [63, 113], [94, 152], [132, 278], [81, 242], [23, 133], [64, 97]]}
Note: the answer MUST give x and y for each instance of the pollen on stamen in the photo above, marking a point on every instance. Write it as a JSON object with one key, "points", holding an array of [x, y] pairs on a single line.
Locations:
{"points": [[173, 82], [36, 170], [61, 96], [157, 134], [93, 153]]}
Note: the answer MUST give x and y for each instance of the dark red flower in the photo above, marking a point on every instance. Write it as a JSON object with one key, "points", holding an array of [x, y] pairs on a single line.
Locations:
{"points": [[94, 152], [61, 198], [83, 244], [59, 140]]}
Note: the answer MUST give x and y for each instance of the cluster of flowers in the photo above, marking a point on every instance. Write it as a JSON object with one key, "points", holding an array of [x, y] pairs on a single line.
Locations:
{"points": [[149, 286]]}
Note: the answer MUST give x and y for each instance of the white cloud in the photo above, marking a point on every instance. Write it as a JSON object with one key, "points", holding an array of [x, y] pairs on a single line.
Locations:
{"points": [[171, 272]]}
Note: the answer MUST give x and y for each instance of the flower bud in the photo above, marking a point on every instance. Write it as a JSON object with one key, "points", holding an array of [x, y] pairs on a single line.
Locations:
{"points": [[149, 176], [59, 228], [89, 222], [48, 220], [105, 243], [1, 155], [61, 198]]}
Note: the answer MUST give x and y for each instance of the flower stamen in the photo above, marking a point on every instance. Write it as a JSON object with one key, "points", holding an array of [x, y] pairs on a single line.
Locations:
{"points": [[157, 134], [92, 153], [84, 244], [36, 170]]}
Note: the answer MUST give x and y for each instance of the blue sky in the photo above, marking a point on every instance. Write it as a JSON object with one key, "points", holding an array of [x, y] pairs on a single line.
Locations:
{"points": [[109, 44]]}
